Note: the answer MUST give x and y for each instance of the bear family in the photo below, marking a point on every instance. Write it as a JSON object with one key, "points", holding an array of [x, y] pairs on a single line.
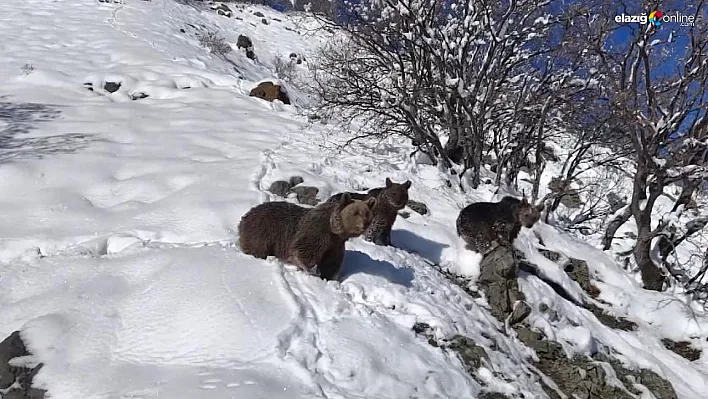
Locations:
{"points": [[312, 239], [482, 224], [390, 199]]}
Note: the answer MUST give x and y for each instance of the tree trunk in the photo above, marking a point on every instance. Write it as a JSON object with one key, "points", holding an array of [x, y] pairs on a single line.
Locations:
{"points": [[613, 226], [652, 277]]}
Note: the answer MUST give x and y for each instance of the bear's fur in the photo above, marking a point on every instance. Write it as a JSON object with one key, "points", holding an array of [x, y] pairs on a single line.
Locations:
{"points": [[311, 238], [482, 224], [390, 199]]}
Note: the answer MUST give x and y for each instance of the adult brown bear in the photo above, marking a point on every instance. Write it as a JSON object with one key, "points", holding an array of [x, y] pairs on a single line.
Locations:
{"points": [[311, 238]]}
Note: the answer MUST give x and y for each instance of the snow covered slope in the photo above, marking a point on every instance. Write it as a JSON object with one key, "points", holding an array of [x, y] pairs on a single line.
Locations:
{"points": [[117, 231]]}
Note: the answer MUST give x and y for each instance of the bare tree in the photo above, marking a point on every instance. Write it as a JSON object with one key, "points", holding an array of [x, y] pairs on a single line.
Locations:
{"points": [[663, 115], [451, 76]]}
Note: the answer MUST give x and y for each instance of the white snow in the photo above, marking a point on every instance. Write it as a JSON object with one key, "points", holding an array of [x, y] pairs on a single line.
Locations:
{"points": [[118, 255]]}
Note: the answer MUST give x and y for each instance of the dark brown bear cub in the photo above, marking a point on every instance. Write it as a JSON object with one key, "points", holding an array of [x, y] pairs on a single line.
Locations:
{"points": [[311, 238], [483, 224], [390, 200]]}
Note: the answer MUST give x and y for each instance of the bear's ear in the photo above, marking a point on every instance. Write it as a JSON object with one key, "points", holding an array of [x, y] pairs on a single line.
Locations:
{"points": [[346, 198], [407, 184], [371, 202], [389, 183]]}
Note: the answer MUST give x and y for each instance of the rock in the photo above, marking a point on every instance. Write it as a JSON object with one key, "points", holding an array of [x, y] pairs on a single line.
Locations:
{"points": [[661, 388], [16, 376], [418, 207], [258, 14], [270, 92], [111, 87], [493, 395], [138, 96], [250, 54], [182, 30], [244, 42], [281, 188], [306, 194], [421, 328], [498, 265], [264, 21], [578, 376], [585, 377], [223, 9], [578, 271], [470, 353], [521, 311], [88, 86], [682, 348], [295, 180], [404, 214], [498, 279], [550, 255]]}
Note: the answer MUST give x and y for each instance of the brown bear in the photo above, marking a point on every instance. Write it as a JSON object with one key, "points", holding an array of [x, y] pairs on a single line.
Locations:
{"points": [[390, 200], [482, 224], [311, 238]]}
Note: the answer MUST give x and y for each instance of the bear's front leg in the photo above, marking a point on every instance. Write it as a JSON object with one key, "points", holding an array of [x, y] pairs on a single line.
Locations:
{"points": [[331, 262], [308, 266], [383, 239]]}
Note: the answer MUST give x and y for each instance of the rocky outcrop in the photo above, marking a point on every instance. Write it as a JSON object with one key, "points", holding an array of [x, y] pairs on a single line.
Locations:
{"points": [[498, 281], [682, 348], [418, 207], [17, 370], [579, 376]]}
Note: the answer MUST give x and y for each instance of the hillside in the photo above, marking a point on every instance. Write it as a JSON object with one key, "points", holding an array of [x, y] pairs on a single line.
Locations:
{"points": [[120, 269]]}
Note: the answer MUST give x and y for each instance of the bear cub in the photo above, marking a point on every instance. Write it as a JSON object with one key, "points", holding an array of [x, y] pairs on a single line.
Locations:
{"points": [[390, 199], [482, 224], [311, 238]]}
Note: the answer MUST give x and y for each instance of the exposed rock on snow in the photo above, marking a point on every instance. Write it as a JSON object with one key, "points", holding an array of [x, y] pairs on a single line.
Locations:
{"points": [[578, 271], [498, 280], [16, 379], [111, 87], [682, 348], [223, 9], [418, 207], [587, 377]]}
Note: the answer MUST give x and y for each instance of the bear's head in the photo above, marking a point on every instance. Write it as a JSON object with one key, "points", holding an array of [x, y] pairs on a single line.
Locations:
{"points": [[396, 194], [529, 213], [351, 218]]}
